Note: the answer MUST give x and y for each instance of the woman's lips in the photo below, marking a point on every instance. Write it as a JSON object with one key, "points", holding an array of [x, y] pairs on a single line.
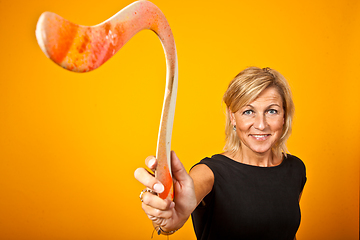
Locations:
{"points": [[260, 137]]}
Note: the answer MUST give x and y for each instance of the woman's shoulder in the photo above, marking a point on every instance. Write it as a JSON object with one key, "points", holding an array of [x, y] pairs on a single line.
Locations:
{"points": [[294, 160], [218, 159], [215, 161], [291, 157]]}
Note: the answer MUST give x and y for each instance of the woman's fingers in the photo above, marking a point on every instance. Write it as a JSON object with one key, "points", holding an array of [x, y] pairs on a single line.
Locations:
{"points": [[151, 162], [148, 180], [165, 212], [157, 209], [156, 202]]}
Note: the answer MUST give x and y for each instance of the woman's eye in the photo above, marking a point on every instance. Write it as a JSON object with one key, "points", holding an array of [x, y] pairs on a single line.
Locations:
{"points": [[272, 111], [247, 112]]}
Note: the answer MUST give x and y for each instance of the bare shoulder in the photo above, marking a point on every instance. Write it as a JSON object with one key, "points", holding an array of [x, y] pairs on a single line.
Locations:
{"points": [[202, 171], [203, 178]]}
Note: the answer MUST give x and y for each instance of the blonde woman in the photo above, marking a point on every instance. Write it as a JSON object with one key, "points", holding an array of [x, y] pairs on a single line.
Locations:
{"points": [[252, 189]]}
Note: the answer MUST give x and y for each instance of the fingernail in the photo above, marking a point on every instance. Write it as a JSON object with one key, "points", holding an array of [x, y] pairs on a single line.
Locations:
{"points": [[151, 163], [158, 187], [172, 205]]}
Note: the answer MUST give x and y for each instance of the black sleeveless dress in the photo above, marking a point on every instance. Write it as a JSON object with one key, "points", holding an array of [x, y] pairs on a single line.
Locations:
{"points": [[250, 202]]}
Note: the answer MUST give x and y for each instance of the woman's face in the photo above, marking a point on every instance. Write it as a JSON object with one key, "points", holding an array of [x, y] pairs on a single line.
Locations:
{"points": [[259, 124]]}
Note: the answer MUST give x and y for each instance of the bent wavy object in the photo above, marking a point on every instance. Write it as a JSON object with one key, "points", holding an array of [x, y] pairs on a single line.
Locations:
{"points": [[85, 48]]}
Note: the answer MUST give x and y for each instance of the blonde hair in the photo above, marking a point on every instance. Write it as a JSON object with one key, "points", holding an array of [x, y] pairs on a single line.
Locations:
{"points": [[244, 89]]}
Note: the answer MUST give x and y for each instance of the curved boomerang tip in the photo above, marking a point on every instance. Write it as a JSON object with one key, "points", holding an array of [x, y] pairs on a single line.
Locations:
{"points": [[84, 48], [57, 39]]}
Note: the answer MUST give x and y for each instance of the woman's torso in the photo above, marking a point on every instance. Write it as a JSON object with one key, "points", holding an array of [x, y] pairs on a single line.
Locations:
{"points": [[250, 202]]}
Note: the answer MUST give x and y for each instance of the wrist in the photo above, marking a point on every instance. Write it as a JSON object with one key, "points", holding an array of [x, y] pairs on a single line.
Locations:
{"points": [[159, 231]]}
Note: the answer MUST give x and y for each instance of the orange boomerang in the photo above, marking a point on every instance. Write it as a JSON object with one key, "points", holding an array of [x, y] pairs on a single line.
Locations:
{"points": [[85, 48]]}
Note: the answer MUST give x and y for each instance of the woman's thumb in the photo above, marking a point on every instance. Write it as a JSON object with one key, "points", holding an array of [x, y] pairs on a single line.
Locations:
{"points": [[177, 168]]}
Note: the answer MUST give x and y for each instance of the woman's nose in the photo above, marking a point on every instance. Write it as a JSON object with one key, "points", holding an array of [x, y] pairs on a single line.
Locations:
{"points": [[260, 122]]}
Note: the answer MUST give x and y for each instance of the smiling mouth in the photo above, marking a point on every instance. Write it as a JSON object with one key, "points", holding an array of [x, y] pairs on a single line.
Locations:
{"points": [[260, 136]]}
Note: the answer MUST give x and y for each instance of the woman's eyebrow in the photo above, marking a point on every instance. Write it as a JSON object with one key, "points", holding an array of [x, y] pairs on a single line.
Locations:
{"points": [[274, 104], [271, 105]]}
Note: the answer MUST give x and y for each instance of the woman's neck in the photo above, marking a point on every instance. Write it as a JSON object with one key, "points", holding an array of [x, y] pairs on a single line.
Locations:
{"points": [[247, 156]]}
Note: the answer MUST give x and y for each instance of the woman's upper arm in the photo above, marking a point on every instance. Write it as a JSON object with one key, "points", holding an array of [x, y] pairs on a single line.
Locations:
{"points": [[203, 178]]}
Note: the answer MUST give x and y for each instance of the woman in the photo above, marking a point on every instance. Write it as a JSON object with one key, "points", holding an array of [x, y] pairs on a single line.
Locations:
{"points": [[252, 189]]}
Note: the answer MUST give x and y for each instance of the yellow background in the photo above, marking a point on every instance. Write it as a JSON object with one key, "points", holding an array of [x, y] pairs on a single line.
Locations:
{"points": [[69, 143]]}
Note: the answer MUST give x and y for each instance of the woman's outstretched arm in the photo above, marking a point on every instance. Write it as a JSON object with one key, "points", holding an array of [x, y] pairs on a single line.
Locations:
{"points": [[189, 192]]}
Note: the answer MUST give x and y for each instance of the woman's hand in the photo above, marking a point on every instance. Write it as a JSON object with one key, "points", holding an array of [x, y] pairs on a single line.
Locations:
{"points": [[169, 215]]}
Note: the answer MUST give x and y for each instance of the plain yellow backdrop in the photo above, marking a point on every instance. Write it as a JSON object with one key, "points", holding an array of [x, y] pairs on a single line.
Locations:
{"points": [[69, 143]]}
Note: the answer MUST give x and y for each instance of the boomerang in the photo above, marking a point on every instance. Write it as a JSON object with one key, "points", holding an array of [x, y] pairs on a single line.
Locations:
{"points": [[84, 48]]}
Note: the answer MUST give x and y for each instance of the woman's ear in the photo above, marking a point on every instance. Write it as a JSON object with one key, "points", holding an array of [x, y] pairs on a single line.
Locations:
{"points": [[232, 117]]}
